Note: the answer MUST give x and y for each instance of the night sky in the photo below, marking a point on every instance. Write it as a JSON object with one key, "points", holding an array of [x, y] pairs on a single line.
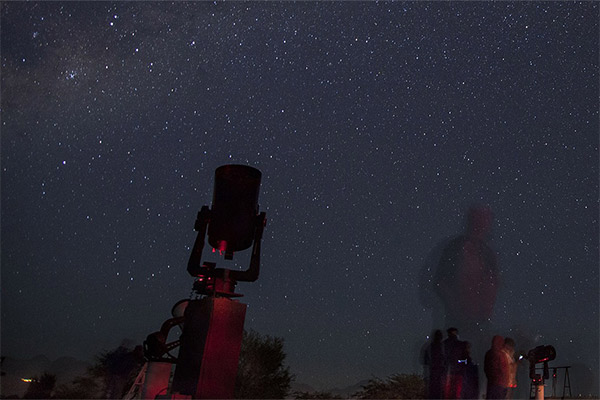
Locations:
{"points": [[375, 126]]}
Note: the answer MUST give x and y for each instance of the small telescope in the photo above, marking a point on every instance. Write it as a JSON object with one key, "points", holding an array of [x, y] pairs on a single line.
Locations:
{"points": [[540, 354]]}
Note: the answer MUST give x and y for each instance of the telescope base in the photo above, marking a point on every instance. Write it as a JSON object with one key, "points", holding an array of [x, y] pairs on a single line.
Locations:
{"points": [[210, 347]]}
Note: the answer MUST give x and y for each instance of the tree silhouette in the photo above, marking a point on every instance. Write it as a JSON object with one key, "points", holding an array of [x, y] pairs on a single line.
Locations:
{"points": [[261, 373], [111, 375], [41, 388], [315, 395], [83, 387]]}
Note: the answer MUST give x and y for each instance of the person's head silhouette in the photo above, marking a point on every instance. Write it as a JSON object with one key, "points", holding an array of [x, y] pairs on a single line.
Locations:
{"points": [[479, 221]]}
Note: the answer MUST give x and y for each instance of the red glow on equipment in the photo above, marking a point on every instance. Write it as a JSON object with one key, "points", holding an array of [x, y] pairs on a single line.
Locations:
{"points": [[208, 361], [222, 246]]}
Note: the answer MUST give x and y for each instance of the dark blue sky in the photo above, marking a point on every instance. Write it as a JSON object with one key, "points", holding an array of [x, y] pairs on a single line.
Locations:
{"points": [[375, 125]]}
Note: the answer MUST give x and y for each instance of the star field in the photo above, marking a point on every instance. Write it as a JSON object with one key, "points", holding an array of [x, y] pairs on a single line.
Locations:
{"points": [[375, 125]]}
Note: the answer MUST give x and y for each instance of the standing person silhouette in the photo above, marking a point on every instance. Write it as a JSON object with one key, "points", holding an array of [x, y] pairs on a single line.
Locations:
{"points": [[455, 351], [497, 370], [509, 352], [470, 388], [435, 362], [467, 275]]}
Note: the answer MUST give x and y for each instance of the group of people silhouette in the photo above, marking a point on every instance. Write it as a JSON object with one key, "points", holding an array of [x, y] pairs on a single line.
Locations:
{"points": [[460, 283], [451, 372]]}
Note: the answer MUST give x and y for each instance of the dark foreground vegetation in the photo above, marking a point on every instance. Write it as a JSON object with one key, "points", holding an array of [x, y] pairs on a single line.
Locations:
{"points": [[262, 374]]}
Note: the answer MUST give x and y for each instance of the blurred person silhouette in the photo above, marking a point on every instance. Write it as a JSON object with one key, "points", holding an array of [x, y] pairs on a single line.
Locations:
{"points": [[466, 279], [455, 351], [467, 275], [496, 369], [525, 337], [509, 352], [434, 361], [459, 280]]}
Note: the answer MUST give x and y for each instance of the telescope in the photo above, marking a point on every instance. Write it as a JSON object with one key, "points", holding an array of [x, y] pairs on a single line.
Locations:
{"points": [[540, 354], [212, 323]]}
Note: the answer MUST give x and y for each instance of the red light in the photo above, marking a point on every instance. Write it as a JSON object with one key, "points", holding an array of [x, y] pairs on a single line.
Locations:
{"points": [[221, 247]]}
